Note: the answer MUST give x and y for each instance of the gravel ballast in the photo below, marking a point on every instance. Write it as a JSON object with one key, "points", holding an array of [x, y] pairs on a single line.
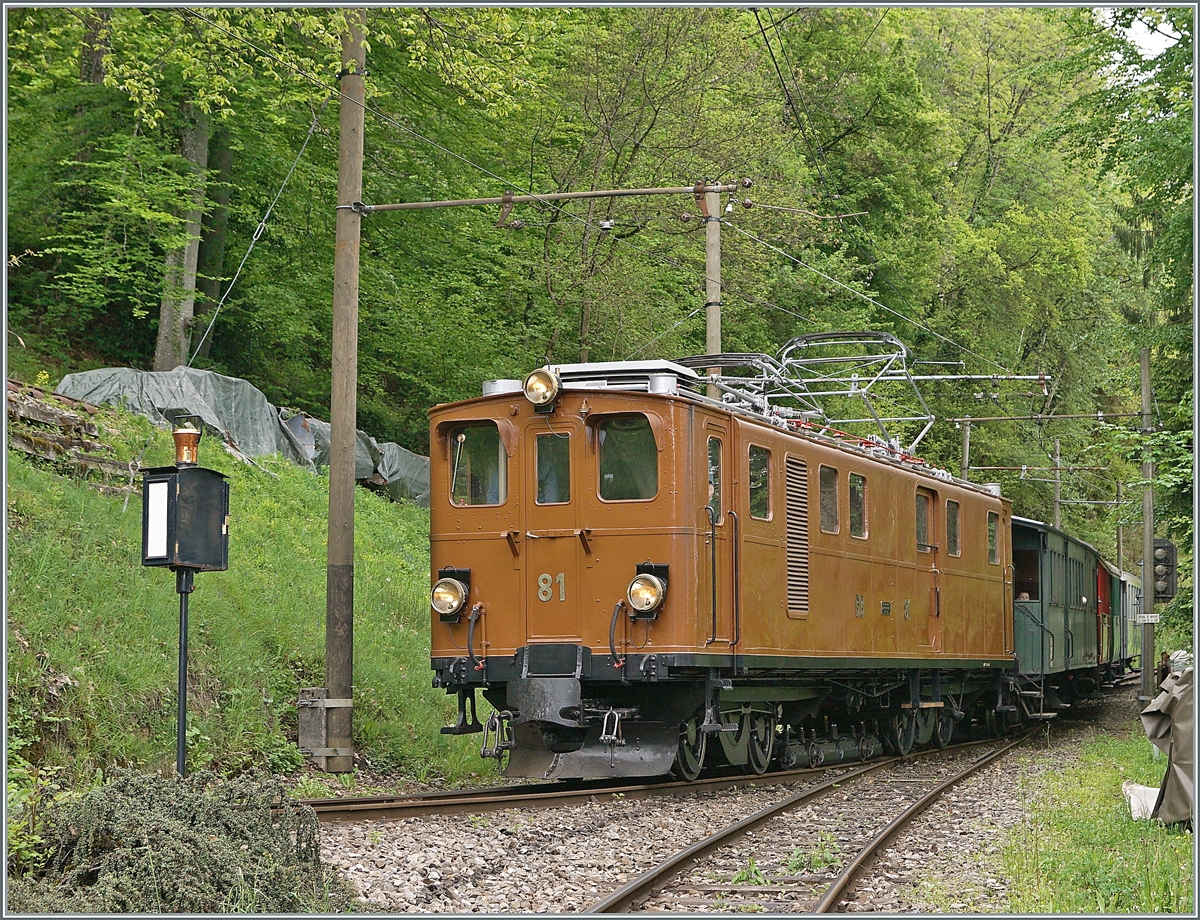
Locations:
{"points": [[564, 859]]}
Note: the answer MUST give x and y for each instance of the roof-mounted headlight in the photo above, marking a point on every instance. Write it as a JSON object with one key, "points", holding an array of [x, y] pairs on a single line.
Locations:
{"points": [[448, 597], [646, 593], [542, 388]]}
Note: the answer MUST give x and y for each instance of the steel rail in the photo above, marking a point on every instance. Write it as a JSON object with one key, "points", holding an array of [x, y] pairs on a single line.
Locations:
{"points": [[540, 795], [881, 840], [644, 886], [624, 898]]}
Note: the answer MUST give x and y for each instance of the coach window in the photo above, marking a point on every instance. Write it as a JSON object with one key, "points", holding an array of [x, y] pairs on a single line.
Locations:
{"points": [[478, 464], [829, 499], [993, 543], [858, 505], [953, 547], [760, 483], [628, 458], [923, 522], [553, 469], [714, 477]]}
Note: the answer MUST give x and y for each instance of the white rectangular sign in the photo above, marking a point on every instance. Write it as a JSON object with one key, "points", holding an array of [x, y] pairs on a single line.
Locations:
{"points": [[156, 520], [1144, 618]]}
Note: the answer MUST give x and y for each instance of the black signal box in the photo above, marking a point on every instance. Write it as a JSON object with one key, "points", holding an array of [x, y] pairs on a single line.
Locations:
{"points": [[185, 519]]}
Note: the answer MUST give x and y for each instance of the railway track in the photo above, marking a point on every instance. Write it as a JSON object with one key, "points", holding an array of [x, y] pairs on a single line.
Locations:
{"points": [[531, 795], [802, 854]]}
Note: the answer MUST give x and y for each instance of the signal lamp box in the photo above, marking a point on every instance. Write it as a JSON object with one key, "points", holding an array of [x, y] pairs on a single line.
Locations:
{"points": [[185, 518]]}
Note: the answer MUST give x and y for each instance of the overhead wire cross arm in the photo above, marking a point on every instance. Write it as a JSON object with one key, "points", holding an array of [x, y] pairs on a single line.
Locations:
{"points": [[509, 199]]}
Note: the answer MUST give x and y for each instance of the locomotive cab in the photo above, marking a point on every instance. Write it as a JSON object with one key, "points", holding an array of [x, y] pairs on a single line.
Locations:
{"points": [[555, 499]]}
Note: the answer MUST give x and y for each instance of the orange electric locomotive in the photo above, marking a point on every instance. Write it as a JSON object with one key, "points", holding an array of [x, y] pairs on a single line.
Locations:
{"points": [[644, 574]]}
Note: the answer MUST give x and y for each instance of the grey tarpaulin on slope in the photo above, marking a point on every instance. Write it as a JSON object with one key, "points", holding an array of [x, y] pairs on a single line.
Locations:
{"points": [[250, 425], [1170, 725]]}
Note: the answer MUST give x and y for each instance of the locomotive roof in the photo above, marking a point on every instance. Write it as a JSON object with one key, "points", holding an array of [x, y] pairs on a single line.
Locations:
{"points": [[668, 378]]}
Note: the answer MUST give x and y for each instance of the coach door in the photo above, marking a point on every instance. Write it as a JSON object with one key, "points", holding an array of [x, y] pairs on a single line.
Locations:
{"points": [[551, 542], [928, 547], [719, 528]]}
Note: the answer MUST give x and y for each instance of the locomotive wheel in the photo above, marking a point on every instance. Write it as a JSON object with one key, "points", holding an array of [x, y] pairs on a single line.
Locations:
{"points": [[904, 733], [944, 730], [693, 745], [993, 724], [761, 742]]}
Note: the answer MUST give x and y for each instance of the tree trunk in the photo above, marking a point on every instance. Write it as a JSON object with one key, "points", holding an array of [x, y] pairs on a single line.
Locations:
{"points": [[179, 278], [211, 262], [94, 45]]}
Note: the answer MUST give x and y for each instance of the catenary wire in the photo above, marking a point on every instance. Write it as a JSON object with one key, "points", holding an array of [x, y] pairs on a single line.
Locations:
{"points": [[388, 119], [262, 226], [869, 300], [486, 172]]}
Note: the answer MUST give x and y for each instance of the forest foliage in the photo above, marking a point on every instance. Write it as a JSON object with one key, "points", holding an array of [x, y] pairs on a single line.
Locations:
{"points": [[1008, 190]]}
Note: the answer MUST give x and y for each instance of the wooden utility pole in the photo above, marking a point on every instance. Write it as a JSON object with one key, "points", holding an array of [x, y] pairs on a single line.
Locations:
{"points": [[1120, 528], [712, 274], [339, 597], [966, 450], [1149, 662], [1057, 483]]}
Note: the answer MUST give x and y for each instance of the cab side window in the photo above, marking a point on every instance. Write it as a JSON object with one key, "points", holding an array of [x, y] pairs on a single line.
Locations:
{"points": [[829, 499], [954, 547], [628, 458], [993, 542], [760, 483], [858, 505], [478, 465], [923, 545], [714, 476]]}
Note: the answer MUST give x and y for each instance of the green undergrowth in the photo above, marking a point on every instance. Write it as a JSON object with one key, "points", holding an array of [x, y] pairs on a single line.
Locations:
{"points": [[1079, 851], [92, 639], [145, 843]]}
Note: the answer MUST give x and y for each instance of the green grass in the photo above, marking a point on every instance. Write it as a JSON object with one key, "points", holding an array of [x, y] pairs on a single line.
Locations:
{"points": [[93, 636], [1080, 852]]}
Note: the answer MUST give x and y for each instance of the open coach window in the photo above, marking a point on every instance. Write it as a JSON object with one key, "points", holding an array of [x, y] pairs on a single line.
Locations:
{"points": [[478, 465], [628, 458]]}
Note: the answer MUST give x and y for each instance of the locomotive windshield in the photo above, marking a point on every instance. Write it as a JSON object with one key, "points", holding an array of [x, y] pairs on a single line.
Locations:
{"points": [[628, 458], [479, 465]]}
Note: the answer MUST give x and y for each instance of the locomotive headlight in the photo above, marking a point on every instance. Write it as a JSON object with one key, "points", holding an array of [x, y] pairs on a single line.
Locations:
{"points": [[646, 593], [448, 596], [542, 387]]}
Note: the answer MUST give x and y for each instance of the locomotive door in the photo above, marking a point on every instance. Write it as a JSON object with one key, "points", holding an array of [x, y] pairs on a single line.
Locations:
{"points": [[928, 546], [718, 529], [551, 544]]}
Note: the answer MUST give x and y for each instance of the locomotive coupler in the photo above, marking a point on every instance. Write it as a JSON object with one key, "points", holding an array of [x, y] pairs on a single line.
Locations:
{"points": [[463, 727], [499, 728], [610, 732]]}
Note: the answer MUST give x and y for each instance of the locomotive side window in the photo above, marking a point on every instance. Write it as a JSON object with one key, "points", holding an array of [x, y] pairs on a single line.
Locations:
{"points": [[858, 505], [478, 464], [954, 548], [993, 543], [553, 469], [923, 545], [760, 483], [714, 476], [829, 499], [628, 458]]}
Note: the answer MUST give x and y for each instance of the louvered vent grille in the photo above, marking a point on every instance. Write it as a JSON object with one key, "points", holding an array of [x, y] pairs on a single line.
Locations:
{"points": [[797, 534]]}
